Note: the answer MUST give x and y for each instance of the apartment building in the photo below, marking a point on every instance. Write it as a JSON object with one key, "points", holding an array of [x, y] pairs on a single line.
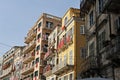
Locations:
{"points": [[1, 61], [8, 64], [37, 44], [46, 24], [51, 55], [18, 63], [71, 39], [102, 21]]}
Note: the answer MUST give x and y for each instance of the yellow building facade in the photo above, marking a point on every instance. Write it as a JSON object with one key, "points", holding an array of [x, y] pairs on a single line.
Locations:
{"points": [[71, 41]]}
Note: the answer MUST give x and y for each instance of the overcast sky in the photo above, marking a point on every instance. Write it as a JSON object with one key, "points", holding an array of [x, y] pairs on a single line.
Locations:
{"points": [[18, 16]]}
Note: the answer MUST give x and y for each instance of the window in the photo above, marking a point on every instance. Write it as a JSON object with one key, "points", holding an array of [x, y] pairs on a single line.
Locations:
{"points": [[91, 18], [65, 20], [65, 58], [65, 77], [70, 57], [101, 39], [91, 49], [38, 48], [36, 73], [82, 30], [60, 60], [39, 35], [100, 5], [39, 25], [45, 48], [33, 63], [49, 24], [59, 78], [37, 60], [52, 79], [117, 24], [31, 75], [71, 77], [83, 53], [47, 35], [54, 36]]}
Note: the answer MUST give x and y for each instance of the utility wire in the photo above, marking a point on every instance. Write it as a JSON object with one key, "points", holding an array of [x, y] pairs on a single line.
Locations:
{"points": [[5, 44]]}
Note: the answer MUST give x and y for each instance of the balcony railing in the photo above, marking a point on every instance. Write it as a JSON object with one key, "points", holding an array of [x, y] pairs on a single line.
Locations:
{"points": [[6, 65], [6, 71], [113, 52], [29, 47], [89, 63], [111, 6], [51, 43], [61, 67], [65, 42], [47, 70], [49, 54], [28, 57], [45, 37], [30, 36], [28, 68], [85, 5]]}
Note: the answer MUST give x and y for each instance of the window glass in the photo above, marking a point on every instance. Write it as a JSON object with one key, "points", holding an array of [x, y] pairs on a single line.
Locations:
{"points": [[71, 57], [101, 39], [82, 29], [91, 49], [39, 25], [49, 24], [71, 77], [91, 18], [38, 48], [36, 73]]}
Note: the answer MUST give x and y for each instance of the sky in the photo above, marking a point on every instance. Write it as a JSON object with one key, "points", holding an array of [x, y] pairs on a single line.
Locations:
{"points": [[18, 16]]}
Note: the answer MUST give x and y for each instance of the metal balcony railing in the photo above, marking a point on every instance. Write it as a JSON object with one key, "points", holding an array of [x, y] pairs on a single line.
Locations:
{"points": [[29, 46], [90, 63], [28, 57], [64, 65], [111, 6], [30, 36], [113, 51], [28, 68]]}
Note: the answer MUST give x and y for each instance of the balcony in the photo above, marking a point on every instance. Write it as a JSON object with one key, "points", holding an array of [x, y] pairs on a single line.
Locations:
{"points": [[29, 47], [28, 57], [52, 43], [47, 71], [30, 36], [85, 5], [45, 38], [111, 6], [7, 71], [28, 68], [6, 65], [49, 54], [113, 52], [64, 43], [62, 67], [89, 64]]}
